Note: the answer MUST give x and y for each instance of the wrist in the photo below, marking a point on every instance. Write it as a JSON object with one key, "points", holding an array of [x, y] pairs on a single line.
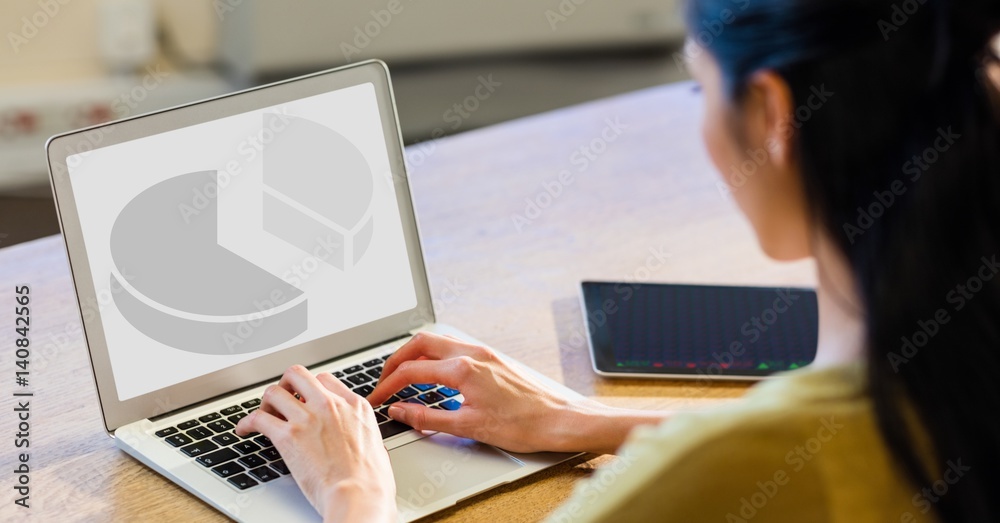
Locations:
{"points": [[350, 500], [583, 427], [591, 426]]}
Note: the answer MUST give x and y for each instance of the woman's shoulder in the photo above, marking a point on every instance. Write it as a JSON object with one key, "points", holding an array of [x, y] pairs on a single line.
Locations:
{"points": [[795, 445], [786, 409]]}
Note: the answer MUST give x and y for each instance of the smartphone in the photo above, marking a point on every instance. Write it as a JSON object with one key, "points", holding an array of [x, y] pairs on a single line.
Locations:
{"points": [[698, 331]]}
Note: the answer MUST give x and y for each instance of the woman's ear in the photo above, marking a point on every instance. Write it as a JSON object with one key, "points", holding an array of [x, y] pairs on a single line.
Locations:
{"points": [[775, 203], [769, 107]]}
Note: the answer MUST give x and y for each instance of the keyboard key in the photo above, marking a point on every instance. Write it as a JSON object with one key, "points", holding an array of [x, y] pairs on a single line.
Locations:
{"points": [[178, 440], [199, 433], [166, 432], [246, 447], [363, 390], [187, 424], [264, 474], [338, 374], [280, 466], [423, 387], [352, 370], [199, 448], [229, 411], [242, 481], [379, 417], [447, 392], [225, 439], [375, 373], [253, 461], [228, 469], [251, 410], [406, 392], [450, 405], [372, 363], [264, 441], [383, 411], [391, 400], [359, 379], [251, 403], [218, 457], [386, 357], [235, 418], [209, 417], [430, 397], [269, 454], [392, 428], [221, 425]]}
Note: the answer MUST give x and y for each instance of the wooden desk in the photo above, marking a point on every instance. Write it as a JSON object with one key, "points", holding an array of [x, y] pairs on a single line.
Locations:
{"points": [[649, 190]]}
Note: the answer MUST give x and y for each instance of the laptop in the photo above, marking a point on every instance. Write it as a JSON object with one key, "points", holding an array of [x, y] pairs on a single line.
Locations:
{"points": [[214, 244]]}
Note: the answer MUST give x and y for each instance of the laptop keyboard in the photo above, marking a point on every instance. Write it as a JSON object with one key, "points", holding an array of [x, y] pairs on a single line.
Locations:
{"points": [[247, 461]]}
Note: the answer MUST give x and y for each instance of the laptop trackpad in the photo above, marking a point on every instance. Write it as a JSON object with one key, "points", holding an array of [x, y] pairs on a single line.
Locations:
{"points": [[442, 465]]}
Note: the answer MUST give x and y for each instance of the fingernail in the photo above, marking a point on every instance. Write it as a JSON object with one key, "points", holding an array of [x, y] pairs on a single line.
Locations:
{"points": [[397, 413]]}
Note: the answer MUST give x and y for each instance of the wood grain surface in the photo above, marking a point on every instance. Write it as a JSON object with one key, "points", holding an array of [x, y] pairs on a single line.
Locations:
{"points": [[624, 191]]}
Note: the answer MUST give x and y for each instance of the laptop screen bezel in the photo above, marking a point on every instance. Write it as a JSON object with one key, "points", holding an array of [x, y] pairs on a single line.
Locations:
{"points": [[117, 412]]}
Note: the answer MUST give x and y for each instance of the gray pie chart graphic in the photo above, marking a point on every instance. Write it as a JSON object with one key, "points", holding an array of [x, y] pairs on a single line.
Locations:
{"points": [[183, 289], [318, 190]]}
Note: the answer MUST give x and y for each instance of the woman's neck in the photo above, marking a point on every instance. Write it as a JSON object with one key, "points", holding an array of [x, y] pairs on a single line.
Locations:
{"points": [[841, 316]]}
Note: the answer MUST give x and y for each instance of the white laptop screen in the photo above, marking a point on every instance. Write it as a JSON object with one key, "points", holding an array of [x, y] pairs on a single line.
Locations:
{"points": [[218, 243]]}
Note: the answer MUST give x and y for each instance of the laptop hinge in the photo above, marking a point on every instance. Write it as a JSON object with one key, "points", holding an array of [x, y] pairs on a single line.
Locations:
{"points": [[268, 380]]}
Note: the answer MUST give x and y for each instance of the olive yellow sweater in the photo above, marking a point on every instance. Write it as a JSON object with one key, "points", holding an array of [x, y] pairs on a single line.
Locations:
{"points": [[803, 447]]}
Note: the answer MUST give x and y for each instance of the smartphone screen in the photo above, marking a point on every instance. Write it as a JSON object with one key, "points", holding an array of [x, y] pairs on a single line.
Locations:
{"points": [[699, 330]]}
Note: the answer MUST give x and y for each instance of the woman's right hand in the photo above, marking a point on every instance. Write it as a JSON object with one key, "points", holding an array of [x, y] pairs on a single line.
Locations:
{"points": [[503, 406]]}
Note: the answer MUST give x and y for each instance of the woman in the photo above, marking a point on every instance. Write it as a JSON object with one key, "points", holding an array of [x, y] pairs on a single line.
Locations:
{"points": [[892, 184]]}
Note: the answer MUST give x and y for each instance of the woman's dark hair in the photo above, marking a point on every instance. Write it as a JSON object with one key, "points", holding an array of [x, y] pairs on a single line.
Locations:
{"points": [[901, 167]]}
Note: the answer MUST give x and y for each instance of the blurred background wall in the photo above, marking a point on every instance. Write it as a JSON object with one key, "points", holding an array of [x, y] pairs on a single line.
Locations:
{"points": [[66, 64]]}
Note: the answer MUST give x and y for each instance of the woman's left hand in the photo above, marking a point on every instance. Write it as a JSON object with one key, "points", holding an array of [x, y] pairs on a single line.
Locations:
{"points": [[331, 443]]}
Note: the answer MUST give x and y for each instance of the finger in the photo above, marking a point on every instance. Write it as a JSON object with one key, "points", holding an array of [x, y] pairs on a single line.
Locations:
{"points": [[445, 372], [424, 344], [421, 417], [277, 401], [298, 379], [259, 421], [334, 385]]}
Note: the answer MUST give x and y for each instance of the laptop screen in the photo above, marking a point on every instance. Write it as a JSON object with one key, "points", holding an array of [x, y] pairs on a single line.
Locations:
{"points": [[221, 242]]}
